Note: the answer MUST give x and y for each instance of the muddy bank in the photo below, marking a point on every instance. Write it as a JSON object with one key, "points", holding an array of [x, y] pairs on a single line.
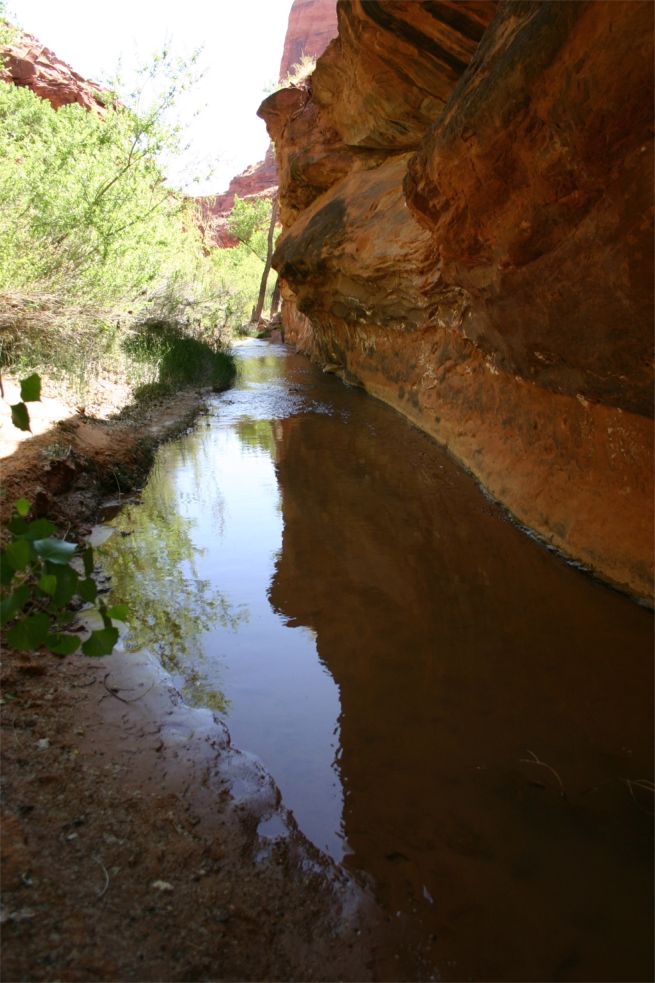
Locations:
{"points": [[139, 845], [68, 468]]}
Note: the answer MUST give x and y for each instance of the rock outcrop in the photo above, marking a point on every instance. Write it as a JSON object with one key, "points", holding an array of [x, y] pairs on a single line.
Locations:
{"points": [[258, 180], [311, 26], [29, 63], [467, 202]]}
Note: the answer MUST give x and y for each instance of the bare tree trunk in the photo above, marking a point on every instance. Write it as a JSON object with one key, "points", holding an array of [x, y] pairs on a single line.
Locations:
{"points": [[275, 299], [257, 313]]}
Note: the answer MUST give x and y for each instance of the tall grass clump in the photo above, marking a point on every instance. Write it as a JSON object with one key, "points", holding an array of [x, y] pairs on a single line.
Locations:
{"points": [[171, 360]]}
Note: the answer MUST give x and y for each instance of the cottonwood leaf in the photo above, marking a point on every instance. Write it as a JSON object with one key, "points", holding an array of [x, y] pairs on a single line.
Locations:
{"points": [[62, 644], [29, 634], [100, 642], [48, 584], [10, 605], [22, 507], [30, 388], [39, 529], [20, 416], [119, 611], [87, 590], [17, 554], [55, 550], [67, 580]]}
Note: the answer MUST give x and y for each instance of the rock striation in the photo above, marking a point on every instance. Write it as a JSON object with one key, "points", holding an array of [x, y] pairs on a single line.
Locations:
{"points": [[27, 62], [466, 195]]}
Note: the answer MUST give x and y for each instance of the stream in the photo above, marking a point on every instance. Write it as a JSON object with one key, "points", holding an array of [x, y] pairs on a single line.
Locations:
{"points": [[450, 711]]}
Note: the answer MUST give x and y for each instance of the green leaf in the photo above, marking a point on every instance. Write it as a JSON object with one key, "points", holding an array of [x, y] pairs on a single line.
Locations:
{"points": [[17, 554], [6, 572], [87, 590], [119, 611], [55, 550], [10, 605], [17, 525], [62, 644], [100, 642], [29, 634], [30, 388], [39, 529], [104, 614], [48, 584], [67, 580], [20, 416], [87, 560], [22, 507]]}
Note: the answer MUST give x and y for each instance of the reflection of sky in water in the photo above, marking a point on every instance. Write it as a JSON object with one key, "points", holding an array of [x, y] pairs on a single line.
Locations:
{"points": [[215, 493]]}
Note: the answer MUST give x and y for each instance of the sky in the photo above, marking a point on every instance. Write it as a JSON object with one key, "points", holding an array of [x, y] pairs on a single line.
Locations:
{"points": [[241, 42]]}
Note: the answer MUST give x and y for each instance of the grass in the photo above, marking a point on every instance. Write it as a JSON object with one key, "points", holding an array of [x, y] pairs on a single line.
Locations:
{"points": [[176, 361]]}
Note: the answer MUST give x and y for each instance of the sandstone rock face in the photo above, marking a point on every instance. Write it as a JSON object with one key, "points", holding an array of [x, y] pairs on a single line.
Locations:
{"points": [[545, 208], [29, 63], [473, 245], [394, 65]]}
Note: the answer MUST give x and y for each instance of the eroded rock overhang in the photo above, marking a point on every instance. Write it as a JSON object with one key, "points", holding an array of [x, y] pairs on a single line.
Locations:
{"points": [[466, 192]]}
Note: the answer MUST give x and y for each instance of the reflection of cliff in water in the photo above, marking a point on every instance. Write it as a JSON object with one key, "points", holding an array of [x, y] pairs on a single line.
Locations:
{"points": [[462, 652]]}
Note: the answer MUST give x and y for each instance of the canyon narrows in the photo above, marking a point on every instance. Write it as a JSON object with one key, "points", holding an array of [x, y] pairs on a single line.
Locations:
{"points": [[465, 191], [379, 704]]}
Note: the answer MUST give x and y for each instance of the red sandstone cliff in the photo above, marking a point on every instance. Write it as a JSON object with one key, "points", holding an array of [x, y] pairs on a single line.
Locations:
{"points": [[257, 180], [467, 202], [312, 25], [29, 63]]}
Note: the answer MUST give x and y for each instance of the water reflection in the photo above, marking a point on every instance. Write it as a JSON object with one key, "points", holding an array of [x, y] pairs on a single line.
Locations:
{"points": [[463, 652], [257, 433], [204, 607], [153, 563], [399, 655]]}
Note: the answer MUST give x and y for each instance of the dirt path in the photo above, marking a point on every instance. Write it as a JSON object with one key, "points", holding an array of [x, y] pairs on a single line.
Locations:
{"points": [[137, 843]]}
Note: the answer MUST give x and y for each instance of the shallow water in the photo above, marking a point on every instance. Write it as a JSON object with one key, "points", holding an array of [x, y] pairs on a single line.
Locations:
{"points": [[446, 706]]}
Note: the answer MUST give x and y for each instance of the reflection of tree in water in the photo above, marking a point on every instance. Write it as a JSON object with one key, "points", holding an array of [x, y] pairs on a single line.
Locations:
{"points": [[264, 368], [257, 433], [151, 560], [193, 452], [199, 694]]}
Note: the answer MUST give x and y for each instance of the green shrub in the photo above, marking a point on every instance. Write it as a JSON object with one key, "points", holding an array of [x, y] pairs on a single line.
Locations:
{"points": [[177, 360], [93, 244], [92, 241], [39, 580]]}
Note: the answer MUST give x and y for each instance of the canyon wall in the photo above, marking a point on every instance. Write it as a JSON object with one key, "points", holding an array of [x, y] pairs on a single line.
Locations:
{"points": [[466, 195], [26, 62]]}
